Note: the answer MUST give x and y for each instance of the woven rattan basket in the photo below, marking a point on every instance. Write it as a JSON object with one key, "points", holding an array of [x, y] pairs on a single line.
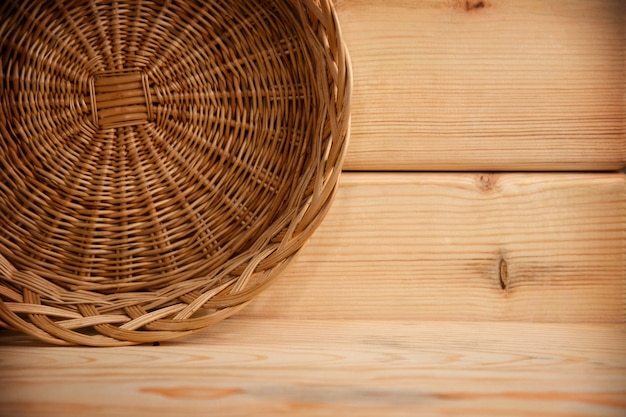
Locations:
{"points": [[161, 162]]}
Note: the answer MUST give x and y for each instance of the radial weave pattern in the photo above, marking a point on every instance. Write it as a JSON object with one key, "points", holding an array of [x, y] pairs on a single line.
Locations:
{"points": [[161, 162]]}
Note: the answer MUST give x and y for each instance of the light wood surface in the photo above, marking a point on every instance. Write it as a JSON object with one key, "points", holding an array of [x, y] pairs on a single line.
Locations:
{"points": [[329, 368], [442, 246], [486, 85]]}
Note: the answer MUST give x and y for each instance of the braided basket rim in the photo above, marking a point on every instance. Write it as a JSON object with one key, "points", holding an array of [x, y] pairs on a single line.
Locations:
{"points": [[124, 310]]}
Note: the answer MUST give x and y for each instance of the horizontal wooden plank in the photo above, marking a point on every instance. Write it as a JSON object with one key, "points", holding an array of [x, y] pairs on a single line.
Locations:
{"points": [[546, 247], [486, 85], [328, 368]]}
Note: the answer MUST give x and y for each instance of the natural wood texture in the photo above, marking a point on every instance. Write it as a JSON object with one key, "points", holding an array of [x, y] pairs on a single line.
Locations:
{"points": [[329, 368], [487, 85], [547, 247]]}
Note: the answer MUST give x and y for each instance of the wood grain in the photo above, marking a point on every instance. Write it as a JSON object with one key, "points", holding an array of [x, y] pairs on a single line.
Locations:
{"points": [[547, 247], [487, 85], [329, 368]]}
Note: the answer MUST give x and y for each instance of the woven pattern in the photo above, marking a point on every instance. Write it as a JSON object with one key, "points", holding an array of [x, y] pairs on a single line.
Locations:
{"points": [[161, 162]]}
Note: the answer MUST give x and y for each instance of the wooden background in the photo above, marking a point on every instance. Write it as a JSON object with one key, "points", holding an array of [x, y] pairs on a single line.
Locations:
{"points": [[447, 279], [486, 85], [455, 246]]}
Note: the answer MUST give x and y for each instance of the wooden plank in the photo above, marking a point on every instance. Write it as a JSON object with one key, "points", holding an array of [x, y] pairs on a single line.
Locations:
{"points": [[329, 368], [546, 247], [486, 85]]}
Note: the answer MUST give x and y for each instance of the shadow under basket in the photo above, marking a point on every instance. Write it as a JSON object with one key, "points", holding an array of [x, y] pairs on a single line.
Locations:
{"points": [[161, 162]]}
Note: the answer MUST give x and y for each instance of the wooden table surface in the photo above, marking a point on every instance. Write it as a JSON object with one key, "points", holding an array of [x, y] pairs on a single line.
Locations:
{"points": [[474, 293], [328, 368]]}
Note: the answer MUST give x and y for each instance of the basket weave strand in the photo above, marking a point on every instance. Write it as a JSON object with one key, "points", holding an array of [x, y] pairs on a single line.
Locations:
{"points": [[161, 162]]}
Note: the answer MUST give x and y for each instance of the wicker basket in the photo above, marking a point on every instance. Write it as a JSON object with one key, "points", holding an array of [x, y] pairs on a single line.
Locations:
{"points": [[161, 162]]}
